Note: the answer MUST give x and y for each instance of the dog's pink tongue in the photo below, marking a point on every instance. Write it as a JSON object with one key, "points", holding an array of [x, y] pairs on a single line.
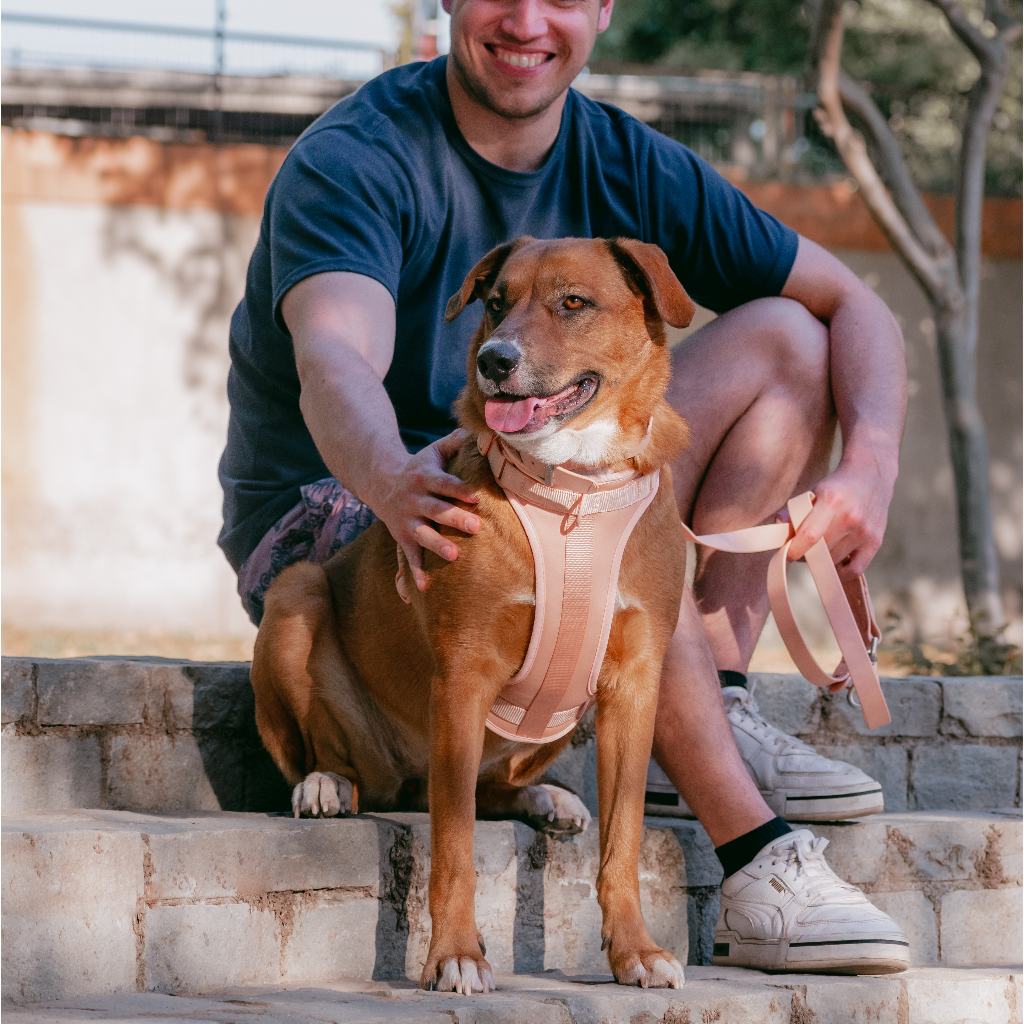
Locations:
{"points": [[509, 415]]}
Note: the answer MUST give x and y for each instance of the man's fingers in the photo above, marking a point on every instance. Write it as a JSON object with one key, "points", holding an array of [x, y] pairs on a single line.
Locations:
{"points": [[448, 486], [448, 445], [414, 556], [811, 530], [449, 515], [429, 538]]}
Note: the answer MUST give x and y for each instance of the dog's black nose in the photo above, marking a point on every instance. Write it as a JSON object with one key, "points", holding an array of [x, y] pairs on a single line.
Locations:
{"points": [[497, 361]]}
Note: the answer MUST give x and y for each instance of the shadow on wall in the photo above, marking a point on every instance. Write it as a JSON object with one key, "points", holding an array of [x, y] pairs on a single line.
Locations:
{"points": [[204, 271], [241, 773]]}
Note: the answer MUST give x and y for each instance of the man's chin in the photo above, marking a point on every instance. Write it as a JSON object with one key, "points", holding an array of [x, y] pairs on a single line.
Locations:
{"points": [[516, 106], [508, 100]]}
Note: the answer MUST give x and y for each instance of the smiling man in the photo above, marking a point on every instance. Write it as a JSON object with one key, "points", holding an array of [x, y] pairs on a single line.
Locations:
{"points": [[342, 366]]}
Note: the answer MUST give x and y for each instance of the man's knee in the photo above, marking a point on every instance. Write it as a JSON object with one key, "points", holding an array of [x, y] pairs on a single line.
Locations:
{"points": [[799, 346]]}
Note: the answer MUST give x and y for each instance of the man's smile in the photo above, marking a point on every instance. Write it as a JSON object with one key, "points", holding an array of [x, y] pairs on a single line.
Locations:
{"points": [[520, 60]]}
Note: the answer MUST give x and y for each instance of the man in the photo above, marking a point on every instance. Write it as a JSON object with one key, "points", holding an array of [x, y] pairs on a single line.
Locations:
{"points": [[341, 365]]}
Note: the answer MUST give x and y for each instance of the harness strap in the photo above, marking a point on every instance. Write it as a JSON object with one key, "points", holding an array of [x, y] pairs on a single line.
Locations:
{"points": [[577, 528], [848, 606]]}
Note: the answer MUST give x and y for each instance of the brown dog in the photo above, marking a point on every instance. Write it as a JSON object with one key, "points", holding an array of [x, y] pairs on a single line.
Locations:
{"points": [[366, 701]]}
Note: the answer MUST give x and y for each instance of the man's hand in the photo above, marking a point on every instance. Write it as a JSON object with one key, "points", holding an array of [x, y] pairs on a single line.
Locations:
{"points": [[869, 387], [343, 330], [850, 511], [412, 498]]}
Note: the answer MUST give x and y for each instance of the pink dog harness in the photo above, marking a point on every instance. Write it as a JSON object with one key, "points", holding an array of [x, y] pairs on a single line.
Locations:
{"points": [[577, 554], [577, 528]]}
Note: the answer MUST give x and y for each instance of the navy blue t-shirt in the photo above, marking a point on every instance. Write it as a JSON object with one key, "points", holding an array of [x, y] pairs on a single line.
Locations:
{"points": [[385, 185]]}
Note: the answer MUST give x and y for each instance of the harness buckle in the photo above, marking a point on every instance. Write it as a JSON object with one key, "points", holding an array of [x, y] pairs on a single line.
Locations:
{"points": [[873, 650], [573, 513]]}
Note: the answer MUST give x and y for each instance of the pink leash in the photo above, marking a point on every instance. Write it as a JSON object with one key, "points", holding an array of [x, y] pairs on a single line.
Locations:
{"points": [[848, 606]]}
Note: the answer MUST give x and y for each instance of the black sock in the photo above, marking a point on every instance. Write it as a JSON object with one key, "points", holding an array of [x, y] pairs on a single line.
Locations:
{"points": [[739, 852], [727, 677]]}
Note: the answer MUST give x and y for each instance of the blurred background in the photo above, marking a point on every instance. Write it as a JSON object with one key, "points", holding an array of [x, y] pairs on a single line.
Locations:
{"points": [[138, 143]]}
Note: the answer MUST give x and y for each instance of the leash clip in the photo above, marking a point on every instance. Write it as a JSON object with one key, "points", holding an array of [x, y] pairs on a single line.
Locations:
{"points": [[873, 650]]}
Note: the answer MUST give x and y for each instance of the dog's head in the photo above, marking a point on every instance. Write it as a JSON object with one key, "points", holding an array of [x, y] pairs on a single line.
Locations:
{"points": [[570, 362]]}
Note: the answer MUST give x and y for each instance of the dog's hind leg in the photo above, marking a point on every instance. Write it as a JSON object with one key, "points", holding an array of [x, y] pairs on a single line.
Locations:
{"points": [[298, 605]]}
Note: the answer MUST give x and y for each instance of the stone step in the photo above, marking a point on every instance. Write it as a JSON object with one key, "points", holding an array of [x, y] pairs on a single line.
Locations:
{"points": [[980, 995], [153, 735], [101, 901]]}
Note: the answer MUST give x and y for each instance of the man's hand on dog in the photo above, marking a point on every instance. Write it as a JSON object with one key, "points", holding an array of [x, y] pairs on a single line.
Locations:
{"points": [[413, 500], [850, 511]]}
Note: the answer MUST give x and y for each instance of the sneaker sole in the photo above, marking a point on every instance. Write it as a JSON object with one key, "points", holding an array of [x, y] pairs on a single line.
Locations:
{"points": [[804, 806], [839, 956], [787, 804]]}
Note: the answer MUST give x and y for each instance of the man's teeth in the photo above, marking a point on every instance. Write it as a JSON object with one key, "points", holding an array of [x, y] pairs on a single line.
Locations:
{"points": [[521, 60]]}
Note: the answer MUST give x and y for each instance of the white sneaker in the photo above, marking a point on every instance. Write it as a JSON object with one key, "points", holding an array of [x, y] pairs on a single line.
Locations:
{"points": [[796, 782], [788, 911]]}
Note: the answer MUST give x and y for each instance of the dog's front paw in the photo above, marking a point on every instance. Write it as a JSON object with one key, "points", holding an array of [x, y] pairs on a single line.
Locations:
{"points": [[322, 795], [654, 968], [462, 974], [554, 811]]}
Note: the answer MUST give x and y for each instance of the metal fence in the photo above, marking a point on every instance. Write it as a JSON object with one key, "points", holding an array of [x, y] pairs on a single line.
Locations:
{"points": [[78, 76], [40, 41]]}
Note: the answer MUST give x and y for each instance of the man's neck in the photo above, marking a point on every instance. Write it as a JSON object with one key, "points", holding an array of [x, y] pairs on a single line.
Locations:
{"points": [[517, 144]]}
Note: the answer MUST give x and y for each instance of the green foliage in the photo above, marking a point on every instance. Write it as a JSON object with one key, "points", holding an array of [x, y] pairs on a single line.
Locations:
{"points": [[734, 35], [918, 72]]}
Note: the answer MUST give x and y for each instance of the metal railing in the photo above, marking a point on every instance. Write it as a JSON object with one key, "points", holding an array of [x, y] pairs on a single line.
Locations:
{"points": [[43, 41]]}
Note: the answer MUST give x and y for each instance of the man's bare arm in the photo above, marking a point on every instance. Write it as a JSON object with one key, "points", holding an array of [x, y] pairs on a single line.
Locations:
{"points": [[869, 387], [343, 329]]}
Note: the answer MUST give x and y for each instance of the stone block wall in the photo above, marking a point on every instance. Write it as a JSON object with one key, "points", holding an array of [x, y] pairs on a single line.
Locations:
{"points": [[138, 734], [953, 744]]}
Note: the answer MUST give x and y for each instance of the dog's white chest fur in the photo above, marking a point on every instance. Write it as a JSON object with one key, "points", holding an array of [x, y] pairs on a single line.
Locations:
{"points": [[588, 446]]}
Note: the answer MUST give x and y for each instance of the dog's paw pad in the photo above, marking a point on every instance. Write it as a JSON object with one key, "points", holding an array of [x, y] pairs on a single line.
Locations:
{"points": [[464, 976], [656, 969], [665, 974], [568, 815], [322, 795]]}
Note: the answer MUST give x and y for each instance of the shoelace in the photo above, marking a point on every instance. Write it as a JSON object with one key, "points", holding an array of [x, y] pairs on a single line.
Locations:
{"points": [[807, 858], [782, 743]]}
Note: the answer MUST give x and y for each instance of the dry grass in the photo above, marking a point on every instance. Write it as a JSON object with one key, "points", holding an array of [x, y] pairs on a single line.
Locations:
{"points": [[68, 643], [157, 643], [777, 659]]}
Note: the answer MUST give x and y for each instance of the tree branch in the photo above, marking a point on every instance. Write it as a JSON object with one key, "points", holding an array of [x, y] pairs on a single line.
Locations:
{"points": [[981, 47], [860, 105], [970, 186], [828, 34]]}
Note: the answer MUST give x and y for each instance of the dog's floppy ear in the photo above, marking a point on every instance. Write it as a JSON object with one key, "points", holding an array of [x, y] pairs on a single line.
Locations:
{"points": [[646, 266], [480, 278]]}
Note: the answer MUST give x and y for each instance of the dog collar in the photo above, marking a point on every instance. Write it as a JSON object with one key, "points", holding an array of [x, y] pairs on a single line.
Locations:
{"points": [[577, 528]]}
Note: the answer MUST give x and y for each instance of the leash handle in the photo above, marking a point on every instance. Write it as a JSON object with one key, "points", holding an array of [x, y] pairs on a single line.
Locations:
{"points": [[848, 607]]}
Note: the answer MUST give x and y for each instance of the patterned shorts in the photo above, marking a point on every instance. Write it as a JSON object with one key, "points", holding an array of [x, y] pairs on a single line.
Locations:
{"points": [[327, 518]]}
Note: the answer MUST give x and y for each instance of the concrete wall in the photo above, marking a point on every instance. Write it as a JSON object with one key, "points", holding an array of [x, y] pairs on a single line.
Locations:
{"points": [[122, 262]]}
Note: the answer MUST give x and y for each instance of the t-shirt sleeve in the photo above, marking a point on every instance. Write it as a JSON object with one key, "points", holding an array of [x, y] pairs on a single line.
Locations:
{"points": [[340, 202], [724, 249]]}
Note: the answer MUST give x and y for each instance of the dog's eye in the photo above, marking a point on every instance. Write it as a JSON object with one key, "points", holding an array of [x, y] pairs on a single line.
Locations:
{"points": [[494, 305], [573, 302]]}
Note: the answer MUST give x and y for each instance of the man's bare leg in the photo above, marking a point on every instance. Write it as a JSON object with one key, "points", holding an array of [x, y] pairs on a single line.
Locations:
{"points": [[754, 386]]}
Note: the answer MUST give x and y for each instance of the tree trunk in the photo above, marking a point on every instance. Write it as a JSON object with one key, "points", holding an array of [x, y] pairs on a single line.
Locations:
{"points": [[951, 284], [968, 450]]}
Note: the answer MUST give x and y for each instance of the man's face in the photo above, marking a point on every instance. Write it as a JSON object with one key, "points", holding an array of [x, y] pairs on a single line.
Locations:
{"points": [[516, 57]]}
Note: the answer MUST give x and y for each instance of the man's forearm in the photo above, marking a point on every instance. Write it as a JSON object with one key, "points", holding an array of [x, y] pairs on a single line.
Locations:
{"points": [[869, 382], [352, 422], [867, 361]]}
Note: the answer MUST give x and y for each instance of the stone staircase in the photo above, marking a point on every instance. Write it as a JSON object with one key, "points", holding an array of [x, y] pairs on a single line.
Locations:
{"points": [[147, 849]]}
